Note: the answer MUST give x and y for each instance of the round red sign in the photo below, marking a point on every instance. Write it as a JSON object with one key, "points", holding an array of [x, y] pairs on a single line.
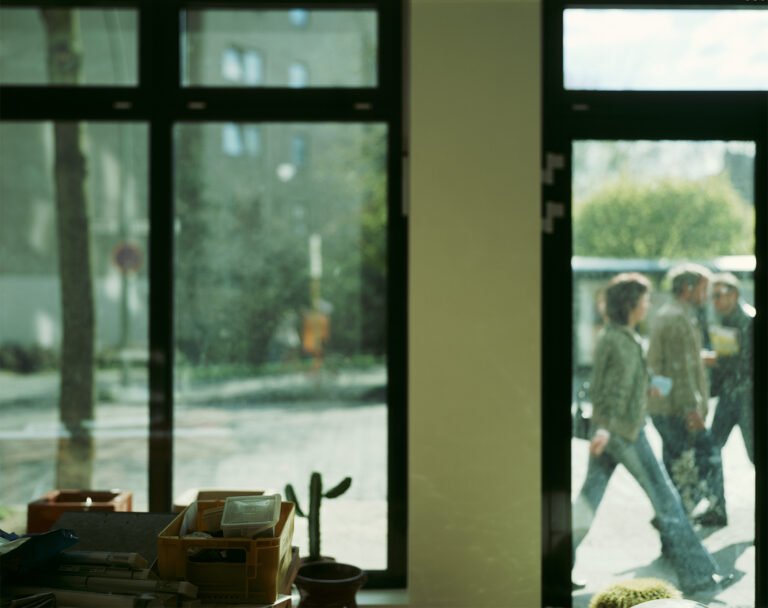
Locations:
{"points": [[127, 256]]}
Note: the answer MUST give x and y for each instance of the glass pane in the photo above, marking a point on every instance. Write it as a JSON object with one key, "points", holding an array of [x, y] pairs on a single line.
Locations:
{"points": [[73, 311], [280, 320], [279, 48], [640, 49], [41, 46], [662, 378]]}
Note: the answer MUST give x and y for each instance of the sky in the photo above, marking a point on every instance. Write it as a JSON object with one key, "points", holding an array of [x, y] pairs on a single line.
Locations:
{"points": [[651, 49]]}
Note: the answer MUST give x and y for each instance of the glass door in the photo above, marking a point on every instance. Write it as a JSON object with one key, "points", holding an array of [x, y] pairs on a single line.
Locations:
{"points": [[653, 248], [663, 306]]}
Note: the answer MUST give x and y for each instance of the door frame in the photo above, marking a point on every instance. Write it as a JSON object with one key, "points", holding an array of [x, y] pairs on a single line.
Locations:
{"points": [[570, 115]]}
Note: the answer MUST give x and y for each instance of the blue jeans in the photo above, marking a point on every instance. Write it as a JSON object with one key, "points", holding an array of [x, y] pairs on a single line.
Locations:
{"points": [[689, 558], [676, 439]]}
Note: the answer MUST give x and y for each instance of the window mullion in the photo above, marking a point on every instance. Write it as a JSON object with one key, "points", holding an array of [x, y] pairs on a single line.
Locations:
{"points": [[159, 69]]}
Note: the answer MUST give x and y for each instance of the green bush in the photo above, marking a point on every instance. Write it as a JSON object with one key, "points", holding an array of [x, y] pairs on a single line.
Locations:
{"points": [[26, 359], [668, 219]]}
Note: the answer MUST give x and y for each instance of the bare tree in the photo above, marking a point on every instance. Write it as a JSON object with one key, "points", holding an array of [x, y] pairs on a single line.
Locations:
{"points": [[76, 399]]}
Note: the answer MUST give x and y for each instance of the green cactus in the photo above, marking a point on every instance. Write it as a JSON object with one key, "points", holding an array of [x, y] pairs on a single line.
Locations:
{"points": [[315, 498], [633, 592]]}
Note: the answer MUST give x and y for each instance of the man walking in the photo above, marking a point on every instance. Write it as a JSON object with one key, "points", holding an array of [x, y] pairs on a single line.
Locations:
{"points": [[679, 413], [732, 373]]}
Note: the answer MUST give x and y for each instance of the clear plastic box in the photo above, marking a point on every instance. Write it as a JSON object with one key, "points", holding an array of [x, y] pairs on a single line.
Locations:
{"points": [[250, 516]]}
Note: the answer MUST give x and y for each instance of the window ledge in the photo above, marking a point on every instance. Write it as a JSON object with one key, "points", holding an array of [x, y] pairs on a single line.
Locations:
{"points": [[382, 598], [371, 598]]}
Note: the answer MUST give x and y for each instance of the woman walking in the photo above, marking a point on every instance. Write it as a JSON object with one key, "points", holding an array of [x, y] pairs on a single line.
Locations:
{"points": [[619, 392]]}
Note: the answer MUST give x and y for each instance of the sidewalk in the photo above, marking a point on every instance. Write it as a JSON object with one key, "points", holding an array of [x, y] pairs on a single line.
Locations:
{"points": [[345, 384], [251, 433], [622, 544]]}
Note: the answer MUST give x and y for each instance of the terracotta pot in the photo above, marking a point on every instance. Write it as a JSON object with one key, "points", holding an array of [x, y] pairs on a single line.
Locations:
{"points": [[329, 584], [43, 512]]}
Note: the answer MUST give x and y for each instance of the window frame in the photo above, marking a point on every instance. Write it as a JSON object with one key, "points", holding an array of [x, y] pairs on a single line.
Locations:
{"points": [[570, 115], [161, 101]]}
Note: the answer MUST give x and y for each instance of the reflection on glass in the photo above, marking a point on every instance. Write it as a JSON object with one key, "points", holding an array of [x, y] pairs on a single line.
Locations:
{"points": [[663, 287], [280, 321], [73, 310], [101, 45], [279, 48], [641, 49]]}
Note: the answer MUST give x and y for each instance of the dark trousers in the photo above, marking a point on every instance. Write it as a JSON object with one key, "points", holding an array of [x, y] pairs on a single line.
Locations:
{"points": [[734, 407], [692, 461]]}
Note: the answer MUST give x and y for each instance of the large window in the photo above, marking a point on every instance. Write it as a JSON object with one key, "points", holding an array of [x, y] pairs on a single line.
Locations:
{"points": [[280, 319], [104, 40], [202, 260], [266, 48], [73, 303], [654, 179]]}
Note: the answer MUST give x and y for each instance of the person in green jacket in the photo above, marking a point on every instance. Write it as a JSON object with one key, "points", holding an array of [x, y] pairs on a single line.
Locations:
{"points": [[619, 390]]}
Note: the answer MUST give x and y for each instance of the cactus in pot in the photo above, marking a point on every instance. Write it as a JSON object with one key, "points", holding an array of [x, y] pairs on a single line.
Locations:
{"points": [[316, 496], [625, 594]]}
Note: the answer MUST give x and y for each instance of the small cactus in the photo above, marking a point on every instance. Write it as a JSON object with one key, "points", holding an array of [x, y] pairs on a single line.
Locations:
{"points": [[633, 592], [313, 515]]}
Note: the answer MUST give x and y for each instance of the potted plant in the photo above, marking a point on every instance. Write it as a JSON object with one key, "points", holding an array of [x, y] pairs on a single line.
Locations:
{"points": [[633, 592], [323, 582]]}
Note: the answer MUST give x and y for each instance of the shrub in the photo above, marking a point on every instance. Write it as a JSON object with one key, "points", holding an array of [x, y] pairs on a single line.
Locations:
{"points": [[667, 219], [26, 359]]}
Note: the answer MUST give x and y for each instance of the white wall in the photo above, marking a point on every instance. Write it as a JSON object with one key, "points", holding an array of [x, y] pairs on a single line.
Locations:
{"points": [[474, 538]]}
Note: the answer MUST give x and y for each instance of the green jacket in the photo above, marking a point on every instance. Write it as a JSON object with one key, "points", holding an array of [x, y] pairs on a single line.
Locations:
{"points": [[619, 382], [675, 352]]}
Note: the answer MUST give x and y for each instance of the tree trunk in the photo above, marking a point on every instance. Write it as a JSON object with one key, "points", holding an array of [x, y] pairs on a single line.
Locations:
{"points": [[76, 399]]}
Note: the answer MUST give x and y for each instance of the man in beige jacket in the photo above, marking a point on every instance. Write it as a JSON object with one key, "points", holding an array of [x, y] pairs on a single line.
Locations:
{"points": [[675, 353]]}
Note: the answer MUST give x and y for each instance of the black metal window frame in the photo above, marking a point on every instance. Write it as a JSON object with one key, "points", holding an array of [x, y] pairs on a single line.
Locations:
{"points": [[160, 101], [570, 115]]}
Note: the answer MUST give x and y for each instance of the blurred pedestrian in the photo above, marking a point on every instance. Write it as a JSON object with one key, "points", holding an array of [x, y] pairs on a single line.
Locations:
{"points": [[619, 396], [732, 373], [675, 355]]}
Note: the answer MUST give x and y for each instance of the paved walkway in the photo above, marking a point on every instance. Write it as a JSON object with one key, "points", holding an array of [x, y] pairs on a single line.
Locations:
{"points": [[622, 544], [227, 435]]}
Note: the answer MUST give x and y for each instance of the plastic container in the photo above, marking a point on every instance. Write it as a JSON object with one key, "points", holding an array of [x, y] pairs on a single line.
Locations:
{"points": [[188, 497], [227, 570], [250, 516]]}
